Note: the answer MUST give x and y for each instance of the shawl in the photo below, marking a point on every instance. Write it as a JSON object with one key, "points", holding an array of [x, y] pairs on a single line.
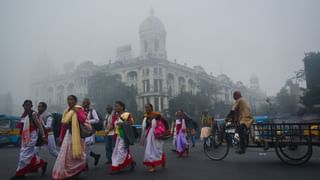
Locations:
{"points": [[70, 116]]}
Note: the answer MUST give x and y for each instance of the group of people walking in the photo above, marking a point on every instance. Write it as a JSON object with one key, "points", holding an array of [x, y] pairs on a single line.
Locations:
{"points": [[73, 156], [76, 137]]}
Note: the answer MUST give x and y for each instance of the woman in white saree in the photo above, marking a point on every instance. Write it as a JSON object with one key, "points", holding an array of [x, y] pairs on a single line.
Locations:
{"points": [[121, 157], [29, 160], [71, 160], [152, 128], [182, 145]]}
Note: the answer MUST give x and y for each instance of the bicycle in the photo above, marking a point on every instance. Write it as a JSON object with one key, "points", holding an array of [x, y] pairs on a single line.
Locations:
{"points": [[292, 141]]}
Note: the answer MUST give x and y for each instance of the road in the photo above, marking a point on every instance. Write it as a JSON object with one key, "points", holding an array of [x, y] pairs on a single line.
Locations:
{"points": [[197, 166]]}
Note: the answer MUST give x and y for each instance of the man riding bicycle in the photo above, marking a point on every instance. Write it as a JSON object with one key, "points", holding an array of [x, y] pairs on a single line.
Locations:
{"points": [[242, 117]]}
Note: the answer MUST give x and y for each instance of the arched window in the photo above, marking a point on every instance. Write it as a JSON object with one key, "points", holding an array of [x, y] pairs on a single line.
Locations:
{"points": [[132, 78], [182, 84], [191, 85], [170, 84]]}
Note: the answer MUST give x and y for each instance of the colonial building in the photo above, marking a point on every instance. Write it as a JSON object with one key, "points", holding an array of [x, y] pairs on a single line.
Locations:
{"points": [[156, 78]]}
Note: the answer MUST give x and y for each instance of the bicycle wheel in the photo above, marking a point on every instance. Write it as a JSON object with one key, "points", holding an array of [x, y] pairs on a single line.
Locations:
{"points": [[293, 149], [216, 148]]}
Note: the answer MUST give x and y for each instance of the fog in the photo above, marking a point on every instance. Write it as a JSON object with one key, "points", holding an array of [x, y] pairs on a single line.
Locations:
{"points": [[267, 38]]}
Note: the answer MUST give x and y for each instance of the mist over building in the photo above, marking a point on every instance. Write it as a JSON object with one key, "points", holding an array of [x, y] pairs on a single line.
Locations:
{"points": [[155, 77]]}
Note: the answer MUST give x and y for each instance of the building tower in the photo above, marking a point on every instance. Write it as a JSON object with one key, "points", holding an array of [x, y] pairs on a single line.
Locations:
{"points": [[254, 82], [152, 38]]}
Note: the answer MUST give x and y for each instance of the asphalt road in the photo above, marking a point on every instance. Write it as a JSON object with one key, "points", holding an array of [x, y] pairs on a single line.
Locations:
{"points": [[197, 166]]}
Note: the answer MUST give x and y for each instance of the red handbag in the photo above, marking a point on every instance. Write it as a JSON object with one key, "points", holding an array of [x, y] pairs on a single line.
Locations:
{"points": [[159, 130]]}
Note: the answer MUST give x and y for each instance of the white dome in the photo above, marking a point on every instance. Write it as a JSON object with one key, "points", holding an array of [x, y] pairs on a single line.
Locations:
{"points": [[152, 24]]}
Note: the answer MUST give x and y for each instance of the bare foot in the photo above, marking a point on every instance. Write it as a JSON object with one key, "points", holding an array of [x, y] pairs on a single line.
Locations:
{"points": [[152, 169]]}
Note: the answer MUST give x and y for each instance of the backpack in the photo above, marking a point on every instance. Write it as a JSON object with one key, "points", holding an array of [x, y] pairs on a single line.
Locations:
{"points": [[129, 134], [56, 124], [40, 140], [98, 126], [135, 131], [85, 131]]}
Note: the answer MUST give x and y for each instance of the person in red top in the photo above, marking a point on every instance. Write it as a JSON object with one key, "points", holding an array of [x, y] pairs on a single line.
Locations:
{"points": [[29, 126]]}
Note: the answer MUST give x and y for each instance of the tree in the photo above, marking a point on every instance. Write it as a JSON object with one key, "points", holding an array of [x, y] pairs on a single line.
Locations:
{"points": [[221, 108], [287, 101], [193, 105], [204, 100], [209, 90], [311, 98], [104, 90]]}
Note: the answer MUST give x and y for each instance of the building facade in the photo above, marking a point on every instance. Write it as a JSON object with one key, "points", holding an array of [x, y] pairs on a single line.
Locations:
{"points": [[156, 78]]}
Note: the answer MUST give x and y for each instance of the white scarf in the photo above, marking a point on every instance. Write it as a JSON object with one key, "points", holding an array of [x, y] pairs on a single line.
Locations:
{"points": [[25, 135], [143, 133]]}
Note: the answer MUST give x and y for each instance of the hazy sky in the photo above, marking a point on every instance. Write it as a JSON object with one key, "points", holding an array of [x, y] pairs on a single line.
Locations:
{"points": [[239, 38]]}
